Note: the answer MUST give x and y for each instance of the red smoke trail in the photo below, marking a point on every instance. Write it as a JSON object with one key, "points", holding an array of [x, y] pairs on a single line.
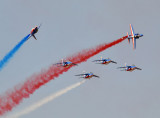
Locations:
{"points": [[13, 97]]}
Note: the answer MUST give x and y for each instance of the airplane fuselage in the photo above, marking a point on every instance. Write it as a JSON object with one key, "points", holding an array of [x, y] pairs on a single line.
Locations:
{"points": [[106, 62], [67, 64], [136, 36], [130, 68], [88, 76], [34, 30], [133, 36]]}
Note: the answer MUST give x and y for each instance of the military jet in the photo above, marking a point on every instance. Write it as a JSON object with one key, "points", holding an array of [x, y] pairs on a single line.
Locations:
{"points": [[65, 63], [87, 75], [105, 61], [133, 36], [34, 31], [130, 68]]}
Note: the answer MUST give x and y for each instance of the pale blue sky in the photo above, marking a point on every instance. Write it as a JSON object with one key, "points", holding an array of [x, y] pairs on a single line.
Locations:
{"points": [[68, 26]]}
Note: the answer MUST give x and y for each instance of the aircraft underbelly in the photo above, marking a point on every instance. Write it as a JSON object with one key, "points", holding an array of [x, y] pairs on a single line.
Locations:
{"points": [[106, 63], [88, 77]]}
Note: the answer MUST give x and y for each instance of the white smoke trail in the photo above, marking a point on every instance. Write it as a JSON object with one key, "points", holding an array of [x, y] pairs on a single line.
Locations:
{"points": [[45, 100]]}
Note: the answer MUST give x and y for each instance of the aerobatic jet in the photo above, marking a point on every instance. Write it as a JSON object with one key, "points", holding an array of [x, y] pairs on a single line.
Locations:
{"points": [[34, 31], [130, 68], [104, 61], [133, 36], [65, 63], [87, 75]]}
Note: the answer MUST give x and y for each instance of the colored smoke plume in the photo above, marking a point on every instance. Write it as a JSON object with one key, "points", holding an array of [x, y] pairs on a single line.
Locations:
{"points": [[15, 96], [45, 100], [9, 55]]}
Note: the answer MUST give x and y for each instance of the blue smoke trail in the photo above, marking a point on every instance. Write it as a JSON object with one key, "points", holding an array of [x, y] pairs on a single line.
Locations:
{"points": [[6, 58]]}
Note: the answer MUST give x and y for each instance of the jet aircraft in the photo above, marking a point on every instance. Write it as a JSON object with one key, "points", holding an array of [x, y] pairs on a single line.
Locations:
{"points": [[34, 31], [105, 61], [133, 36], [130, 68], [87, 75], [65, 63]]}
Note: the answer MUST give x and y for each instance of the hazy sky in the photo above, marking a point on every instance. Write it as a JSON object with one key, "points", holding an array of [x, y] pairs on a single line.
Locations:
{"points": [[68, 26]]}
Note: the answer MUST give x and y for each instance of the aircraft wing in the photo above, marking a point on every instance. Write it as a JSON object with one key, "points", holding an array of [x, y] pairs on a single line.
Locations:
{"points": [[132, 34], [121, 67], [138, 68], [34, 37], [80, 75], [57, 63], [114, 62], [74, 64], [134, 44], [97, 60], [96, 76], [132, 30], [123, 70]]}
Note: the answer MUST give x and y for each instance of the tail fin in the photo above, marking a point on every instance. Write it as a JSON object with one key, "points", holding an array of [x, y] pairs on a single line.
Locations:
{"points": [[101, 58], [34, 37], [62, 61], [128, 38], [125, 64]]}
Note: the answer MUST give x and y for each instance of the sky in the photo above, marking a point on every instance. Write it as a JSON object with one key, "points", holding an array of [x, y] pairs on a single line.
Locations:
{"points": [[69, 27]]}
